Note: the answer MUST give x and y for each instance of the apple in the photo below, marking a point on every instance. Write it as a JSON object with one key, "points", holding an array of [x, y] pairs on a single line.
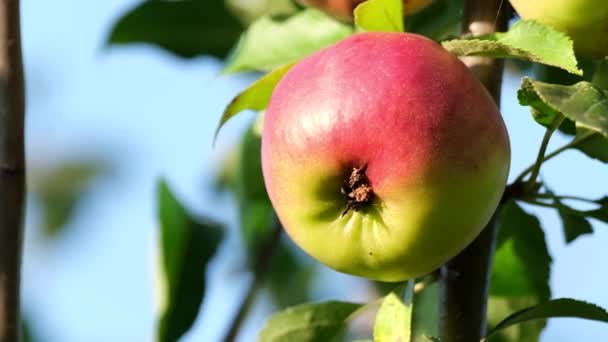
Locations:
{"points": [[585, 21], [383, 156], [343, 9]]}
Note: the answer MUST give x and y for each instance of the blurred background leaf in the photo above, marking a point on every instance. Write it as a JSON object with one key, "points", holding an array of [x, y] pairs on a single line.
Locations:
{"points": [[27, 332], [292, 273], [186, 247], [187, 28], [59, 189]]}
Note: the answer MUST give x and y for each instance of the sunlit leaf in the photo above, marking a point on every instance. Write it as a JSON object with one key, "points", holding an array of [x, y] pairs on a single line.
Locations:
{"points": [[526, 40], [380, 15], [312, 322], [394, 318], [274, 41], [255, 97]]}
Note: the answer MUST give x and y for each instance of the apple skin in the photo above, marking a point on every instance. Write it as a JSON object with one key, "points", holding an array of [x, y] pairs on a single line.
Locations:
{"points": [[343, 9], [433, 142], [585, 21]]}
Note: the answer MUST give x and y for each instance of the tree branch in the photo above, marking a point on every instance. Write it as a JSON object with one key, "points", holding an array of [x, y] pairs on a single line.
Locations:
{"points": [[465, 279], [12, 169]]}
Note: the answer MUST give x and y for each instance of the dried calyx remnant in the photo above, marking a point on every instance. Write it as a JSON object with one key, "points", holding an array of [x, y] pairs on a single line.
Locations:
{"points": [[356, 189]]}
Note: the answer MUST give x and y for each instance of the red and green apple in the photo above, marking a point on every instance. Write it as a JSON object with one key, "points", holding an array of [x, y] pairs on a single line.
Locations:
{"points": [[383, 155]]}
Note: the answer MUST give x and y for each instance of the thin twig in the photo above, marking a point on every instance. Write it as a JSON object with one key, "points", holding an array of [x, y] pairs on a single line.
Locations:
{"points": [[567, 197], [12, 169], [549, 156], [542, 150], [539, 203], [261, 268]]}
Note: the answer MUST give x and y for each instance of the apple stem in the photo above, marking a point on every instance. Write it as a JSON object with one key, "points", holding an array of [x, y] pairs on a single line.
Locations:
{"points": [[12, 169], [465, 279]]}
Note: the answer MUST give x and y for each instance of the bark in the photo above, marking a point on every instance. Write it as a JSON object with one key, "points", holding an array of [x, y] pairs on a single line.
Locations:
{"points": [[12, 169], [465, 279]]}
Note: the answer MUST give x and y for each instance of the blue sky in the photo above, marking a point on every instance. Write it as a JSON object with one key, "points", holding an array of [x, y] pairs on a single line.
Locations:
{"points": [[155, 115]]}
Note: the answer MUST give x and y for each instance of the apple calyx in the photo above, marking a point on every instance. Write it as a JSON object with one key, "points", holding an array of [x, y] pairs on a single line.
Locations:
{"points": [[357, 190]]}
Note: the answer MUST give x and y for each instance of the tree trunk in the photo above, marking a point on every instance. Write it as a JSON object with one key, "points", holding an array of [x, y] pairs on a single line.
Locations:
{"points": [[465, 279], [12, 169]]}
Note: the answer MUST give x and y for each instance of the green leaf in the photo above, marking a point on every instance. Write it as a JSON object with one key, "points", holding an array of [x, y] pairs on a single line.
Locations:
{"points": [[581, 102], [186, 247], [520, 272], [256, 214], [310, 322], [380, 15], [563, 307], [574, 225], [255, 97], [526, 40], [290, 277], [60, 189], [500, 307], [440, 20], [271, 41], [522, 262], [186, 28], [594, 146], [394, 318]]}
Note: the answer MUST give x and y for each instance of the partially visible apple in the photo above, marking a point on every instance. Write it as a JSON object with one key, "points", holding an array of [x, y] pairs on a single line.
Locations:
{"points": [[343, 9], [383, 156], [585, 21]]}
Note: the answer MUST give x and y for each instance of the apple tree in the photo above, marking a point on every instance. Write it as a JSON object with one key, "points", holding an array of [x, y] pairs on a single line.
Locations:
{"points": [[379, 148]]}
